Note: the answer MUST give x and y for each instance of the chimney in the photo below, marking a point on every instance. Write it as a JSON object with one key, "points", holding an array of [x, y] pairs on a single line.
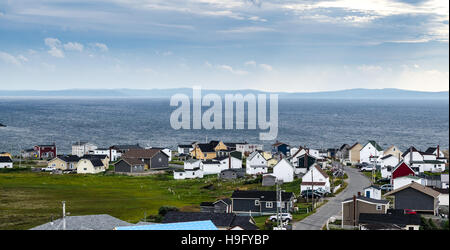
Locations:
{"points": [[437, 151], [410, 156], [359, 193], [229, 160]]}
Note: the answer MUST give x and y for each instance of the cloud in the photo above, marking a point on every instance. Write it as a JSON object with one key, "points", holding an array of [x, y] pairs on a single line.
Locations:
{"points": [[74, 46], [370, 68], [101, 47], [55, 47], [266, 67], [247, 29], [8, 58], [231, 70], [250, 63]]}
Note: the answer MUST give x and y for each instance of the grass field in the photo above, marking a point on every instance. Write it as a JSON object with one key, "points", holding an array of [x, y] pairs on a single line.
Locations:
{"points": [[29, 199]]}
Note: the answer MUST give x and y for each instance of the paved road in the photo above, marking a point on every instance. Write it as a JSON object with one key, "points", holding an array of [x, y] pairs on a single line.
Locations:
{"points": [[356, 182]]}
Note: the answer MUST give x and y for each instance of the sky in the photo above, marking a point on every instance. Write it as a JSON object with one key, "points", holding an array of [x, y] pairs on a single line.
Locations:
{"points": [[270, 45]]}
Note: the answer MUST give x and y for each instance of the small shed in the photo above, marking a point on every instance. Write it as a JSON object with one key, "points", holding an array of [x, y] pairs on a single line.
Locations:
{"points": [[373, 192], [269, 180]]}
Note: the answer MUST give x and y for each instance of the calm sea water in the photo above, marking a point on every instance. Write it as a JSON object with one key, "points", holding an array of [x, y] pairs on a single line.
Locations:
{"points": [[315, 123]]}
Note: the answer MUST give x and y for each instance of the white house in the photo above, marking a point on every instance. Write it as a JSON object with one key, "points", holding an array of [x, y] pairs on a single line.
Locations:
{"points": [[256, 164], [90, 166], [370, 152], [185, 149], [188, 174], [443, 197], [6, 162], [387, 164], [284, 171], [211, 167], [316, 177], [248, 148], [225, 162], [81, 148], [424, 161], [192, 164], [406, 180], [373, 192]]}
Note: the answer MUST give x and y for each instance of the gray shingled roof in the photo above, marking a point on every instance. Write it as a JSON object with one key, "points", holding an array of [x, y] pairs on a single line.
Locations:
{"points": [[85, 222]]}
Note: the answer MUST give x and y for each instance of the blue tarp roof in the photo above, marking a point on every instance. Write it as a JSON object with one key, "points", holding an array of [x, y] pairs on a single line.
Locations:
{"points": [[192, 225]]}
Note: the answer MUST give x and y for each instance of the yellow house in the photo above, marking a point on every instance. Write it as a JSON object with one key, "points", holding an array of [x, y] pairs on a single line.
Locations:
{"points": [[266, 155], [90, 166], [6, 154], [57, 163], [272, 162], [353, 152], [393, 150], [204, 151], [220, 146], [64, 162]]}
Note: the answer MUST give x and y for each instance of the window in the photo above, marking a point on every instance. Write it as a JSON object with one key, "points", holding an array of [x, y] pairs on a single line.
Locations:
{"points": [[269, 205], [85, 169], [256, 202], [379, 207]]}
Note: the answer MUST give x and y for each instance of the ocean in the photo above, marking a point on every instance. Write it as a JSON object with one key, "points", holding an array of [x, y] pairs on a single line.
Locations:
{"points": [[314, 123]]}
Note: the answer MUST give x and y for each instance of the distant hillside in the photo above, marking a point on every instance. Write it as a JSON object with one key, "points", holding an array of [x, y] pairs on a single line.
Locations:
{"points": [[388, 93]]}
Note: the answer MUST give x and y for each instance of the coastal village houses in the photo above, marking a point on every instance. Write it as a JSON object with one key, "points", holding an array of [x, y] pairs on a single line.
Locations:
{"points": [[255, 202], [81, 148], [370, 152], [316, 178], [284, 171], [256, 164], [6, 162], [354, 153]]}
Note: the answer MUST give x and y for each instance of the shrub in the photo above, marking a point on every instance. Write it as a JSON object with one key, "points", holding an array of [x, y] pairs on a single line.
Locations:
{"points": [[165, 209]]}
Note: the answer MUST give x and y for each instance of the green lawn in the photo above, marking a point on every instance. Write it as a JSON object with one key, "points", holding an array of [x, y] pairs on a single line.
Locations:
{"points": [[29, 199]]}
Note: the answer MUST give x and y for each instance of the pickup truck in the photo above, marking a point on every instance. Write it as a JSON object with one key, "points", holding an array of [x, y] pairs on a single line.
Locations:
{"points": [[284, 217]]}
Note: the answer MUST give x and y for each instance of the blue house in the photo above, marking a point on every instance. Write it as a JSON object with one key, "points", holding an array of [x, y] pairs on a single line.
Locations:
{"points": [[281, 147]]}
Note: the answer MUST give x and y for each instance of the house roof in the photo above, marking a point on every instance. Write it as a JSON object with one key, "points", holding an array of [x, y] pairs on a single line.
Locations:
{"points": [[85, 222], [209, 161], [253, 154], [396, 219], [142, 153], [206, 147], [261, 195], [373, 186], [276, 144], [219, 219], [366, 199], [354, 145], [412, 148], [386, 156], [185, 146], [226, 201], [322, 172], [375, 144], [126, 147], [190, 225], [96, 162], [90, 157], [431, 150], [132, 161], [4, 159], [309, 183], [418, 187]]}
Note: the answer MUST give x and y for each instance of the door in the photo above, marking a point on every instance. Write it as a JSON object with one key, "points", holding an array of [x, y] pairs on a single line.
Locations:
{"points": [[368, 194]]}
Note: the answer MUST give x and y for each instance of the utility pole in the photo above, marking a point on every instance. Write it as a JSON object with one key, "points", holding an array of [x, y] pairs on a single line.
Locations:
{"points": [[279, 210], [64, 214]]}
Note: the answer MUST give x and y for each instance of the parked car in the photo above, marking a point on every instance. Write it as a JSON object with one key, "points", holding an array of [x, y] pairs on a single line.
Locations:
{"points": [[323, 192], [286, 217], [410, 211], [48, 169], [368, 168], [310, 194], [386, 187]]}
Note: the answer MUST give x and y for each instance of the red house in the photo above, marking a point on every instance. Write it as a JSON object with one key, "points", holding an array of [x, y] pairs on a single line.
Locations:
{"points": [[45, 151], [402, 169]]}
